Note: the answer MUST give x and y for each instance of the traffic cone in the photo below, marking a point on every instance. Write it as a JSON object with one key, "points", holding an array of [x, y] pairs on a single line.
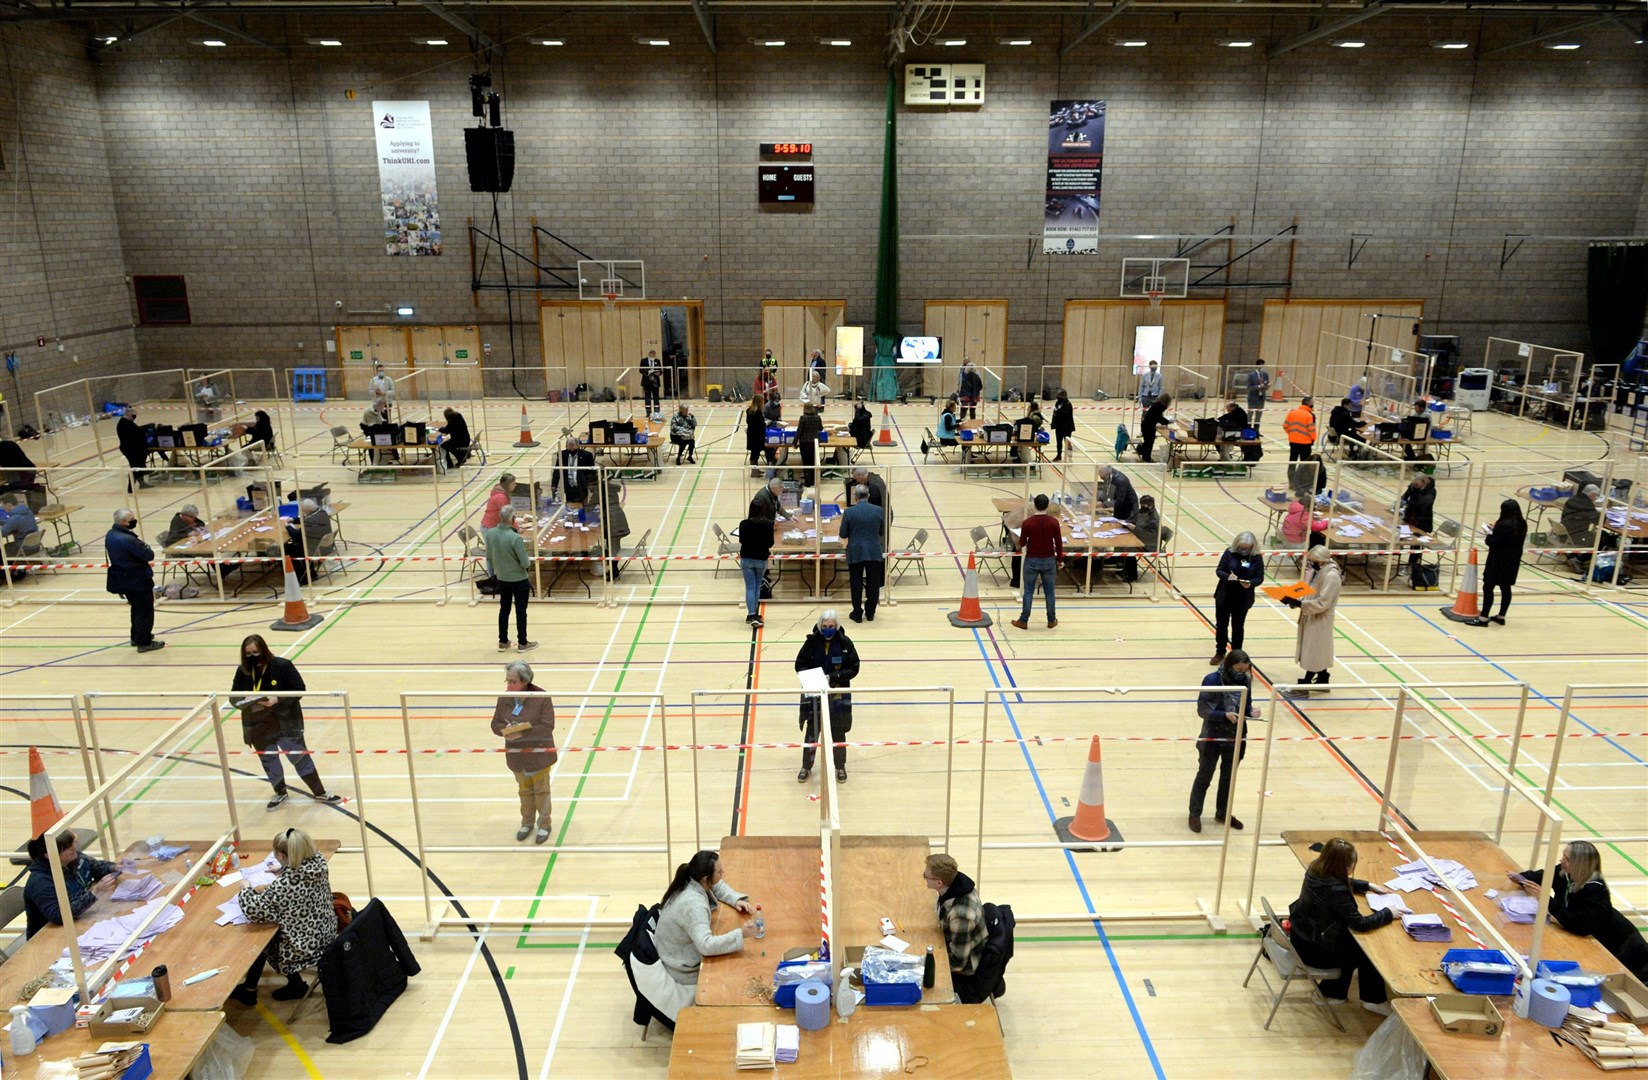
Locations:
{"points": [[297, 615], [1276, 387], [886, 436], [1089, 822], [970, 614], [1464, 605], [44, 809], [526, 431]]}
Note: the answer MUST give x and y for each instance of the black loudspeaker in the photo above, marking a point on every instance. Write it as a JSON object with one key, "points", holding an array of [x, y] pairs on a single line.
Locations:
{"points": [[491, 156]]}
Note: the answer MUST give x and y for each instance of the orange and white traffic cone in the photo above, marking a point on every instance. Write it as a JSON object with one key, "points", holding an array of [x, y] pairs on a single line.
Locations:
{"points": [[297, 615], [526, 431], [886, 436], [970, 615], [44, 809], [1089, 823], [1464, 605], [1276, 387]]}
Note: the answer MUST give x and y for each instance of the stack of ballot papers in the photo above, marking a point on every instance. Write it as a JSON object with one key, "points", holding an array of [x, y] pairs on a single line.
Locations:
{"points": [[788, 1045], [1519, 908], [232, 915], [100, 942], [1393, 904], [1426, 928], [141, 887], [757, 1046], [1455, 873]]}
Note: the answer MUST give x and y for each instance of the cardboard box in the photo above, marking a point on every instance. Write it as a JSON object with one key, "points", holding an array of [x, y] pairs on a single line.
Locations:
{"points": [[1467, 1014], [1627, 996], [102, 1027]]}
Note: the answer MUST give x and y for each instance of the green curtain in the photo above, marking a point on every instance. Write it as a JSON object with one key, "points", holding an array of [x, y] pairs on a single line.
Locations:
{"points": [[1616, 298], [884, 375]]}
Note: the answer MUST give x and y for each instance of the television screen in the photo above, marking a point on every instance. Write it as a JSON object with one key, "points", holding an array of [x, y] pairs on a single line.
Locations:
{"points": [[920, 350]]}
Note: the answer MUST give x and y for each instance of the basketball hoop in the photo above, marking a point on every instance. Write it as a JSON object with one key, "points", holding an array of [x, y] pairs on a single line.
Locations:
{"points": [[1154, 286], [1155, 298], [609, 300]]}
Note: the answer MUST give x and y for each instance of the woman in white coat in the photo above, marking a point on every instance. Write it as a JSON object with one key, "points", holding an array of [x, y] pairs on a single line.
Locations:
{"points": [[1315, 645], [683, 937]]}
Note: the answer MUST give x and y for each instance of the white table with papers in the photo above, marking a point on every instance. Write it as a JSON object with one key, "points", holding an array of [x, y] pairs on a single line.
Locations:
{"points": [[956, 1040]]}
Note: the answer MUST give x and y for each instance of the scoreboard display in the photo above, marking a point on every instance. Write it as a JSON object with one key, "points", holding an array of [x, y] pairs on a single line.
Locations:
{"points": [[785, 183]]}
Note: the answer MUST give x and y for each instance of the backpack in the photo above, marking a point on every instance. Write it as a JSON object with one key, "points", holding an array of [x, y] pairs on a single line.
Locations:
{"points": [[1425, 576], [344, 909]]}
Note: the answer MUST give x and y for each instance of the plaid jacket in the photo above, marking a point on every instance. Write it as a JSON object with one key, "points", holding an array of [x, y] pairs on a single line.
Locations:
{"points": [[961, 914]]}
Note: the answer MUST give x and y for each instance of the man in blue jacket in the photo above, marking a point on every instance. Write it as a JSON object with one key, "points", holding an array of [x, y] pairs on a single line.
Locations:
{"points": [[861, 525], [88, 880], [1221, 711], [131, 576]]}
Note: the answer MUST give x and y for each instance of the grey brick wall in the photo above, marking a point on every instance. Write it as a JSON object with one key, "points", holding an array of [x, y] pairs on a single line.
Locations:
{"points": [[62, 272], [250, 172]]}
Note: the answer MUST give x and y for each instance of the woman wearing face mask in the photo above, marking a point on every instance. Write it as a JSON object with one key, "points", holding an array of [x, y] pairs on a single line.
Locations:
{"points": [[827, 647], [299, 902], [273, 725]]}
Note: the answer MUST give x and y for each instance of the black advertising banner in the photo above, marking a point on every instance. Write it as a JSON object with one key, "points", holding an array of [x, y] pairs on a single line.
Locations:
{"points": [[1075, 167]]}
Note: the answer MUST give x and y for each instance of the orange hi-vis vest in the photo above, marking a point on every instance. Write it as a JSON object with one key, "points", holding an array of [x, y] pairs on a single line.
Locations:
{"points": [[1300, 425]]}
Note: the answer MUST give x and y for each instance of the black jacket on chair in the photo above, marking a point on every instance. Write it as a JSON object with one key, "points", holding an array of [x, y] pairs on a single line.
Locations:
{"points": [[363, 971], [1326, 913], [637, 947], [987, 980]]}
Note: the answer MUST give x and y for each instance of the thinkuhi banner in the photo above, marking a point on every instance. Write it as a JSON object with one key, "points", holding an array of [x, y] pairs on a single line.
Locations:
{"points": [[406, 178], [1075, 166]]}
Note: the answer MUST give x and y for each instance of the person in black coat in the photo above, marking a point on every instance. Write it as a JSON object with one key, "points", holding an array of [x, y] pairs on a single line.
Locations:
{"points": [[134, 447], [574, 473], [1418, 502], [130, 576], [1064, 422], [1505, 539], [1241, 570], [1154, 417], [1223, 739], [261, 431], [860, 426], [1580, 904], [17, 472], [1322, 921], [755, 433], [458, 440], [1118, 495], [273, 725], [827, 647], [807, 431]]}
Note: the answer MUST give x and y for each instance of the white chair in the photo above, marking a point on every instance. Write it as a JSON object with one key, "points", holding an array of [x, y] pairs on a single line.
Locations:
{"points": [[638, 550], [725, 549], [11, 906], [903, 564], [993, 558], [341, 438], [1276, 945]]}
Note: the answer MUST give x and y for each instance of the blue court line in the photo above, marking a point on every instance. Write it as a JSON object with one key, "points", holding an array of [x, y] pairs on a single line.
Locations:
{"points": [[1070, 859], [1507, 673]]}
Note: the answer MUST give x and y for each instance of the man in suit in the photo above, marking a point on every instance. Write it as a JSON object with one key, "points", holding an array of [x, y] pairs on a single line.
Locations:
{"points": [[1150, 386], [861, 528], [130, 576], [577, 469]]}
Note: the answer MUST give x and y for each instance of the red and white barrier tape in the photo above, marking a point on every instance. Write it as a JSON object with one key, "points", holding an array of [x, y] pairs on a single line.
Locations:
{"points": [[1441, 896]]}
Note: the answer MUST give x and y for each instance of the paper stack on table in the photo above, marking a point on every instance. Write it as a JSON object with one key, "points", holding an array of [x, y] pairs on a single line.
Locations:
{"points": [[1455, 873], [788, 1044], [1426, 928], [1393, 904], [141, 887], [100, 941], [1519, 908], [232, 915], [757, 1046]]}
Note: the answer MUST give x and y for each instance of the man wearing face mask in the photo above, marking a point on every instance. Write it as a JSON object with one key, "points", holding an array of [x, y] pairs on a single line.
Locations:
{"points": [[1220, 709], [827, 647], [130, 576], [273, 725]]}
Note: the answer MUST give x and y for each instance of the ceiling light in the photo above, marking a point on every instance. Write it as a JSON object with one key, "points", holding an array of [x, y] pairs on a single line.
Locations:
{"points": [[953, 42], [405, 311], [551, 41], [656, 41], [839, 43], [1013, 41], [1238, 43], [214, 43], [110, 39], [430, 41], [1351, 44], [1452, 45], [770, 43], [327, 41], [1130, 43], [1562, 46]]}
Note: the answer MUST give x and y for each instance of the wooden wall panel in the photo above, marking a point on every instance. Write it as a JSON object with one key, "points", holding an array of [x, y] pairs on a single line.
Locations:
{"points": [[973, 330], [1098, 345], [792, 329], [594, 345], [1316, 343]]}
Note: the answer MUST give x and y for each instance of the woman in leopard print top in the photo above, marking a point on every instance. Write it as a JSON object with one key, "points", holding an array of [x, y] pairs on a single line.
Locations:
{"points": [[299, 902]]}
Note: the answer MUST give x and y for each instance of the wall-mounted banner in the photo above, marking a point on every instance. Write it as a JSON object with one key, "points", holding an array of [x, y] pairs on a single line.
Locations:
{"points": [[406, 178], [1075, 163]]}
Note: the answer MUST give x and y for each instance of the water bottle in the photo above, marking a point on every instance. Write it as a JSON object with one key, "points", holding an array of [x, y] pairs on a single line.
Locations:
{"points": [[760, 923], [22, 1037], [928, 971]]}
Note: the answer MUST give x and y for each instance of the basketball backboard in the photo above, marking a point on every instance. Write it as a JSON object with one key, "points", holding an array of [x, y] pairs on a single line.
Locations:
{"points": [[1155, 279], [611, 280]]}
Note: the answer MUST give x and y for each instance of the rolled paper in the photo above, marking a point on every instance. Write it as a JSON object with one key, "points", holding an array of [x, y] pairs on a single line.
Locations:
{"points": [[1548, 1004], [812, 1005]]}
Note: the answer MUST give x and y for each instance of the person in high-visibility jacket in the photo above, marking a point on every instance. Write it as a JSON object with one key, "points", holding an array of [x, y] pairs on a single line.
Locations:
{"points": [[1300, 427]]}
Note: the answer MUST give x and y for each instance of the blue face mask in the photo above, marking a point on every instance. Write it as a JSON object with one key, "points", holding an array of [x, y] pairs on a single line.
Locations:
{"points": [[828, 631]]}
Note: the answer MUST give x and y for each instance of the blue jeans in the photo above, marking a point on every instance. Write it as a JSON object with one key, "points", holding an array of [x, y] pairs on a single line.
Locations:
{"points": [[1043, 570], [755, 570]]}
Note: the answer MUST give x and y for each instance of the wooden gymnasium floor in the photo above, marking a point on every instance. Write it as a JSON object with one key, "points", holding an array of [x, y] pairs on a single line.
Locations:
{"points": [[1115, 998]]}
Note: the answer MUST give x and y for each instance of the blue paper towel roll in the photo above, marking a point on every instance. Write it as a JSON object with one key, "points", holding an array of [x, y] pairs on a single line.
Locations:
{"points": [[812, 1005], [1548, 1003]]}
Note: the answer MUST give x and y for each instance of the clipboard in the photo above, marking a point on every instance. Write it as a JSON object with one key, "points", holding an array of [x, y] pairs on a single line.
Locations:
{"points": [[515, 729], [1297, 591]]}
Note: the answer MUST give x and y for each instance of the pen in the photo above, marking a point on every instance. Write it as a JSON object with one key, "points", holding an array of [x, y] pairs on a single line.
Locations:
{"points": [[202, 977]]}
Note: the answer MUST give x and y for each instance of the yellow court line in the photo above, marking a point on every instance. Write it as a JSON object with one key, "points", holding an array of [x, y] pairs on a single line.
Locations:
{"points": [[291, 1042]]}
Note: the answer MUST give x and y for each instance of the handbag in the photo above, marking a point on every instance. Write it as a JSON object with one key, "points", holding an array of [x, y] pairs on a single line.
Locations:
{"points": [[487, 586]]}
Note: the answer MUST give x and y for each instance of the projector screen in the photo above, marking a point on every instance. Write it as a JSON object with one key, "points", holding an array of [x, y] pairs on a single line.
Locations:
{"points": [[920, 350], [1147, 346]]}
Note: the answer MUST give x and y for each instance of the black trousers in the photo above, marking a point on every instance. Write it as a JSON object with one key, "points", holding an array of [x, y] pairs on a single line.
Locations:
{"points": [[142, 616], [649, 393], [809, 464], [300, 565], [1058, 443], [1350, 961], [688, 447], [1488, 587], [866, 577], [840, 710], [1208, 755], [1147, 443], [1231, 603], [513, 593]]}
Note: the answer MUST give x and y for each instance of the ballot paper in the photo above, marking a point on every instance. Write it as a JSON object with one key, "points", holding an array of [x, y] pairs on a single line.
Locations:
{"points": [[1393, 904], [232, 915], [1455, 874], [813, 680], [1518, 907], [141, 887], [1406, 883], [101, 940], [893, 943], [1426, 928], [788, 1045]]}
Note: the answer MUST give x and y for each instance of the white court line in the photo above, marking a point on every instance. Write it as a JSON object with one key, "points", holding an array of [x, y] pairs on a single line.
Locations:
{"points": [[457, 992], [566, 995], [658, 686], [589, 688]]}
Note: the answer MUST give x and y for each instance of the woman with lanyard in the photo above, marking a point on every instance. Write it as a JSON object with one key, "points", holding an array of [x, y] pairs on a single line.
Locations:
{"points": [[273, 724], [527, 725]]}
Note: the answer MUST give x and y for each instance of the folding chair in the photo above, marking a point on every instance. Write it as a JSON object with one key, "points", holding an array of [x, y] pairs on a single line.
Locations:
{"points": [[987, 556], [11, 906], [325, 549], [725, 549], [474, 553], [1276, 945], [636, 551], [341, 438], [903, 564]]}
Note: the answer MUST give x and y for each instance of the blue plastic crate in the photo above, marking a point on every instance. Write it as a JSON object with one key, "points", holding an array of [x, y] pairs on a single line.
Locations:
{"points": [[1479, 982], [1582, 996], [878, 993]]}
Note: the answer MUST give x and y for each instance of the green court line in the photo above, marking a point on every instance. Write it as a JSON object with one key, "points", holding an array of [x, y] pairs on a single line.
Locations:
{"points": [[606, 715], [509, 972]]}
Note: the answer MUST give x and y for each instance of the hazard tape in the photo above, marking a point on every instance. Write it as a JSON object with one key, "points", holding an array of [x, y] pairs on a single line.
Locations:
{"points": [[126, 964], [1440, 894]]}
